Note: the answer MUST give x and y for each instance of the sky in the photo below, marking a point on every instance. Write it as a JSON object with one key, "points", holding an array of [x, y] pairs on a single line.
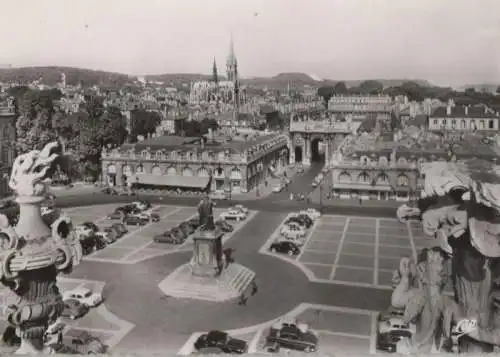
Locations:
{"points": [[444, 41]]}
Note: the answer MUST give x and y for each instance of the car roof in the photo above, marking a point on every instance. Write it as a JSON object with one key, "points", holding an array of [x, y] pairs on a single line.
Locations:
{"points": [[79, 291], [217, 334]]}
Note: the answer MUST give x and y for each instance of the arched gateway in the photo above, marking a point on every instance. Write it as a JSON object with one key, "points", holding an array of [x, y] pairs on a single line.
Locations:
{"points": [[316, 140]]}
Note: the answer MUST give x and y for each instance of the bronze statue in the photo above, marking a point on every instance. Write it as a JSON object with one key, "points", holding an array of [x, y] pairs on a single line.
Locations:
{"points": [[206, 214]]}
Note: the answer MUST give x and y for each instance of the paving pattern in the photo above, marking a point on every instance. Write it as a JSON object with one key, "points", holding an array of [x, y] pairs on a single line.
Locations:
{"points": [[360, 251], [340, 330]]}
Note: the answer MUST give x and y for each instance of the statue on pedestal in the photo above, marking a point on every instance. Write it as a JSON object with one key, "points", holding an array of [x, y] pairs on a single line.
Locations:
{"points": [[33, 253], [206, 214]]}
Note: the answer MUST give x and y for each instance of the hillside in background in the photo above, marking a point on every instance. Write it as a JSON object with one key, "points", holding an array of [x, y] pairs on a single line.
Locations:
{"points": [[486, 87], [52, 75]]}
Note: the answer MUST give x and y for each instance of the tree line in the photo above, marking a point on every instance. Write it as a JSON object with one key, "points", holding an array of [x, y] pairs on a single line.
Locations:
{"points": [[414, 91]]}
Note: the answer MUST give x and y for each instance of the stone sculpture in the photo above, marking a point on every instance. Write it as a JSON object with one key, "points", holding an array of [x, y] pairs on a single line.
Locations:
{"points": [[206, 214], [460, 206], [35, 253]]}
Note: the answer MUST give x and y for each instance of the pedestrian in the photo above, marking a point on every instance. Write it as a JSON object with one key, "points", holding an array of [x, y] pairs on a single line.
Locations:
{"points": [[255, 288]]}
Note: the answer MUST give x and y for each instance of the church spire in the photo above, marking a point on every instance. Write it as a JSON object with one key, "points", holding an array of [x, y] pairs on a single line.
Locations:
{"points": [[215, 77], [231, 63]]}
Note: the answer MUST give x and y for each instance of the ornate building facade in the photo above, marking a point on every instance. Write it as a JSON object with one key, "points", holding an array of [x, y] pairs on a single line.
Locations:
{"points": [[464, 119], [306, 136], [237, 167], [359, 107], [376, 175]]}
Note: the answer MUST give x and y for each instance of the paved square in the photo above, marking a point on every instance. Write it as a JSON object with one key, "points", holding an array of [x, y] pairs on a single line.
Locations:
{"points": [[359, 250]]}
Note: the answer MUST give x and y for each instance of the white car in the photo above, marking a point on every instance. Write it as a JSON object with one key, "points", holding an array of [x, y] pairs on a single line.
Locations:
{"points": [[311, 213], [46, 210], [314, 184], [396, 323], [82, 231], [140, 205], [84, 296], [218, 195], [292, 231], [277, 188], [239, 208], [233, 215], [148, 215]]}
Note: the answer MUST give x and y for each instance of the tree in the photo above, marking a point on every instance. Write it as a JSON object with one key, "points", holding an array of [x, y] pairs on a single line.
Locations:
{"points": [[34, 125], [326, 92], [498, 90], [340, 88], [144, 122], [371, 87], [470, 91]]}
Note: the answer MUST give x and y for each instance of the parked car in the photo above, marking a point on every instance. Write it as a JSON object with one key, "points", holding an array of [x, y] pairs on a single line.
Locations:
{"points": [[90, 225], [106, 237], [118, 214], [285, 247], [90, 244], [233, 215], [394, 323], [221, 341], [277, 188], [142, 205], [82, 231], [149, 216], [292, 337], [306, 219], [240, 208], [292, 230], [179, 233], [74, 309], [312, 213], [387, 342], [168, 237], [194, 222], [85, 296], [120, 227], [129, 209], [84, 343], [224, 226], [186, 228], [135, 221]]}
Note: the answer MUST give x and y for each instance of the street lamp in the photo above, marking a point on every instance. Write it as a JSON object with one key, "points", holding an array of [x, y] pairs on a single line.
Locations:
{"points": [[137, 185]]}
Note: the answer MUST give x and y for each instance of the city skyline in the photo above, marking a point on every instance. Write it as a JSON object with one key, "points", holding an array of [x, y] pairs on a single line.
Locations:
{"points": [[444, 42]]}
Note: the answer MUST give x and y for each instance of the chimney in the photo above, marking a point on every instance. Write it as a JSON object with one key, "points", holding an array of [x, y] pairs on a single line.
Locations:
{"points": [[466, 110]]}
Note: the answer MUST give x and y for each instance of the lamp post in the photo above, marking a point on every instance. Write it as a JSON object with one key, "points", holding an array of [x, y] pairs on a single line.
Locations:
{"points": [[137, 186]]}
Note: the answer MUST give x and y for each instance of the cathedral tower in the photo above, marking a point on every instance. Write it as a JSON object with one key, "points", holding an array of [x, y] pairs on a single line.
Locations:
{"points": [[231, 63], [215, 77]]}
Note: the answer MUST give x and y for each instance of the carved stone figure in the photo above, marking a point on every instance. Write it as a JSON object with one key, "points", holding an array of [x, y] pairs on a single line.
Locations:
{"points": [[460, 205], [33, 253], [206, 214]]}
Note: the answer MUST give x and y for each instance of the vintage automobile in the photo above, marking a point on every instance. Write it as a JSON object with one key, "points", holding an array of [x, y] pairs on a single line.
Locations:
{"points": [[168, 237], [74, 309], [235, 215], [84, 296], [135, 221], [221, 341], [293, 337], [83, 343], [286, 247], [224, 226]]}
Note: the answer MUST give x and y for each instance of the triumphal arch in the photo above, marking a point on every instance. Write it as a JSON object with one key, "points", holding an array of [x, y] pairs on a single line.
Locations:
{"points": [[316, 140]]}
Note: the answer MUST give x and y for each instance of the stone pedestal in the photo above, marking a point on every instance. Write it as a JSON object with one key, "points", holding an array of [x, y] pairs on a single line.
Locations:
{"points": [[208, 277], [207, 253]]}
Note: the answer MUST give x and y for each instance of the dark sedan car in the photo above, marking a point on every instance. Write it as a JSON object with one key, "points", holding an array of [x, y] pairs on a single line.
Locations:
{"points": [[120, 227], [220, 341], [387, 341], [224, 226], [168, 237], [91, 225], [74, 309], [293, 338], [135, 221], [186, 228], [285, 247], [306, 223], [118, 214], [306, 219]]}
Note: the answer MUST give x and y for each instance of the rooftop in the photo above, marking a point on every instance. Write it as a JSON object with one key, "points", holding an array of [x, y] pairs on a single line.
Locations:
{"points": [[236, 145], [460, 112]]}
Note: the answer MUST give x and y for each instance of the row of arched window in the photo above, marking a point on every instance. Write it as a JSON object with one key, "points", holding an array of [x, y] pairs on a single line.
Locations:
{"points": [[128, 170], [365, 178]]}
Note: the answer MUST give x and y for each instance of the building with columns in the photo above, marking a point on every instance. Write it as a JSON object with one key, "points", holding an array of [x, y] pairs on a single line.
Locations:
{"points": [[317, 140], [359, 107], [464, 119], [188, 164]]}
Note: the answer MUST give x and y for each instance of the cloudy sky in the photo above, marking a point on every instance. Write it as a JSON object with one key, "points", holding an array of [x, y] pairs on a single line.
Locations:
{"points": [[444, 41]]}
